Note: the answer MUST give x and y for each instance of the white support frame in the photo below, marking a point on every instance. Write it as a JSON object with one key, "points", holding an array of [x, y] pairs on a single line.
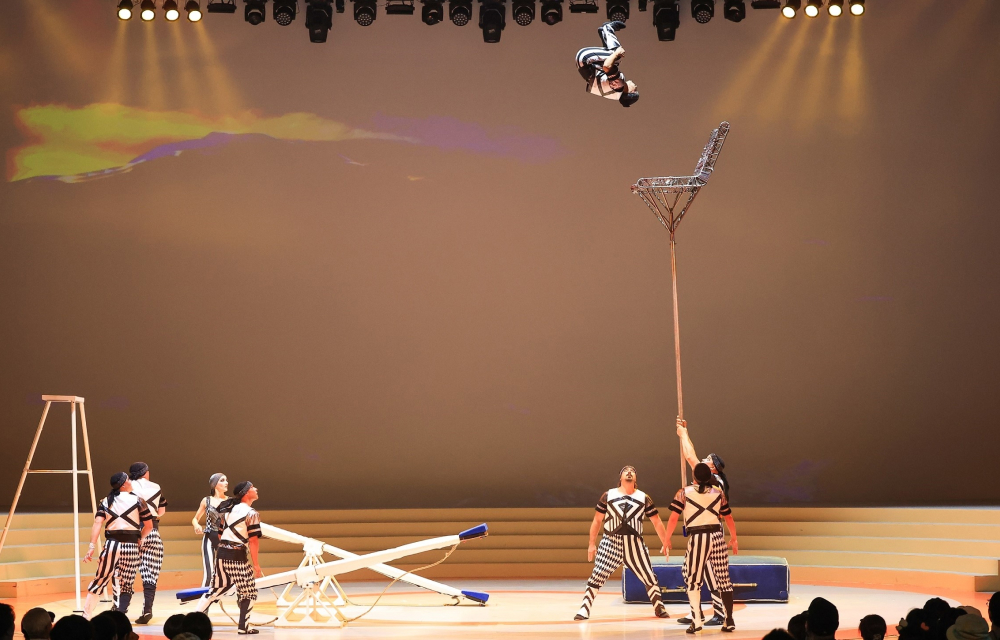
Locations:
{"points": [[73, 401]]}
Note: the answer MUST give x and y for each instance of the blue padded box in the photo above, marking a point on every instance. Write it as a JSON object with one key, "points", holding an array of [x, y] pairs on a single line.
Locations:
{"points": [[755, 579]]}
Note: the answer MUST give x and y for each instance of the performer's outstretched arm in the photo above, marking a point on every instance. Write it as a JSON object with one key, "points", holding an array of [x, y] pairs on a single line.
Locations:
{"points": [[660, 531], [687, 447]]}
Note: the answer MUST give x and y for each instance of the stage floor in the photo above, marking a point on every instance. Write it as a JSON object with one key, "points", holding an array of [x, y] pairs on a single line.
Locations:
{"points": [[537, 609]]}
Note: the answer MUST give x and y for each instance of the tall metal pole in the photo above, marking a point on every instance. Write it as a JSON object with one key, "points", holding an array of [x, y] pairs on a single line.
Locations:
{"points": [[76, 509], [677, 352]]}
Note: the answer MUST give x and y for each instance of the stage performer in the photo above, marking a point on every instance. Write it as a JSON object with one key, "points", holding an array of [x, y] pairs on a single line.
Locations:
{"points": [[233, 566], [218, 484], [127, 521], [599, 66], [619, 513], [703, 504], [151, 549], [717, 466]]}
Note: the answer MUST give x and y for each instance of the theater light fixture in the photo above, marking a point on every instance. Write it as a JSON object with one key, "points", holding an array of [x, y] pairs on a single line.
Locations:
{"points": [[284, 12], [666, 18], [857, 7], [125, 9], [221, 6], [365, 12], [492, 20], [582, 6], [523, 12], [552, 12], [735, 10], [170, 11], [618, 10], [253, 12], [765, 4], [702, 10], [147, 10], [460, 12], [812, 7], [433, 12], [193, 10], [399, 8], [835, 8], [319, 20], [791, 8]]}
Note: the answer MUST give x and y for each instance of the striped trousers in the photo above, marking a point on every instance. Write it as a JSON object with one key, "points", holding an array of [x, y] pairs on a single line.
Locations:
{"points": [[706, 560], [595, 56], [117, 564], [612, 552], [151, 559], [209, 543]]}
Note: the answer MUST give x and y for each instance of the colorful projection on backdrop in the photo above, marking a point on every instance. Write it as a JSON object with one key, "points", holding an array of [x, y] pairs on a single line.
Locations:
{"points": [[101, 140]]}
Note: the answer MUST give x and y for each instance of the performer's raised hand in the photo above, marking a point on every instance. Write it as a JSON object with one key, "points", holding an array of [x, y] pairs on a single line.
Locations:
{"points": [[682, 426], [591, 552]]}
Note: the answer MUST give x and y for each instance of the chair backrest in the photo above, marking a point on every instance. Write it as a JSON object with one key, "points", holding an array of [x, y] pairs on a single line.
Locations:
{"points": [[706, 163]]}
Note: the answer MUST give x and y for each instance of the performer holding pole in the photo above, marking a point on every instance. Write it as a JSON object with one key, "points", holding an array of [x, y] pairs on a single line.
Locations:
{"points": [[703, 505], [218, 484], [717, 466], [151, 549], [127, 521], [619, 513], [236, 561]]}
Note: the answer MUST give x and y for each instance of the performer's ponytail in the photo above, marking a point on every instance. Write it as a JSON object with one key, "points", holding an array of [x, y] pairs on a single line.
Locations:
{"points": [[117, 481], [719, 466]]}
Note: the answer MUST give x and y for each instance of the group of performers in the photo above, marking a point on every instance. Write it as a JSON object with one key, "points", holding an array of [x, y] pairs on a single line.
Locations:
{"points": [[129, 516], [704, 505]]}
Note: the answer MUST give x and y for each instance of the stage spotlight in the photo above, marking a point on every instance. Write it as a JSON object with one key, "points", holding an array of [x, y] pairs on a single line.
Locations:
{"points": [[433, 12], [857, 7], [399, 8], [147, 10], [222, 6], [319, 20], [365, 12], [284, 12], [666, 18], [193, 10], [492, 19], [460, 12], [702, 10], [735, 10], [170, 11], [583, 6], [552, 12], [791, 8], [618, 10], [523, 11], [765, 4], [253, 12], [835, 8], [125, 9], [812, 7]]}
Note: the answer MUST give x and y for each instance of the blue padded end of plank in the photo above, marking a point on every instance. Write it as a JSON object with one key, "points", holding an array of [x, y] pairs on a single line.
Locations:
{"points": [[478, 596], [186, 595], [479, 531]]}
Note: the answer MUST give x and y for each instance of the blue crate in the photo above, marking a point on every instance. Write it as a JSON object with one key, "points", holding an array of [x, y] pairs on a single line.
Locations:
{"points": [[767, 575]]}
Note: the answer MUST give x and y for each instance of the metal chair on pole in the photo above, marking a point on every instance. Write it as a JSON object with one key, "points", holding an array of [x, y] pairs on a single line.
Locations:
{"points": [[669, 198], [74, 402]]}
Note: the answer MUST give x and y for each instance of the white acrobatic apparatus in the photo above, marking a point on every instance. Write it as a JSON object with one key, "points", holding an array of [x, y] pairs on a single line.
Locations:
{"points": [[313, 607]]}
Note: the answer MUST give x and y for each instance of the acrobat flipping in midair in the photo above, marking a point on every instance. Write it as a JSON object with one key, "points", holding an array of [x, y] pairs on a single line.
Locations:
{"points": [[599, 67]]}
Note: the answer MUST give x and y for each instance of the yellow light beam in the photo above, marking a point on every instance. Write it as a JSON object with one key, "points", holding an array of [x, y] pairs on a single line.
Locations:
{"points": [[812, 108], [773, 103], [58, 38], [227, 98], [117, 64], [192, 94], [852, 81], [153, 74], [731, 101]]}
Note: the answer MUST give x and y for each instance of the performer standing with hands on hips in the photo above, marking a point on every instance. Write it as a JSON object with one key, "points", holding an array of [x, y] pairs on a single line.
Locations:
{"points": [[209, 509], [717, 467], [703, 505], [236, 559], [127, 521], [151, 549], [619, 513]]}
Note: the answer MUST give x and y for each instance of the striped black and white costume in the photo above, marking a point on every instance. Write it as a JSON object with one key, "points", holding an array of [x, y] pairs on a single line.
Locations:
{"points": [[210, 541], [706, 558], [232, 561], [622, 543], [151, 553], [590, 63], [119, 560]]}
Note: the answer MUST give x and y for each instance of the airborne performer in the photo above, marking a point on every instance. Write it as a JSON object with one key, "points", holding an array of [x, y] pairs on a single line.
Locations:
{"points": [[619, 513], [599, 67]]}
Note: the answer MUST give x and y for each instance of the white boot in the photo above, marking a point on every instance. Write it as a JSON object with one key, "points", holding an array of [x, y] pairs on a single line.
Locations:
{"points": [[89, 604], [697, 618]]}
